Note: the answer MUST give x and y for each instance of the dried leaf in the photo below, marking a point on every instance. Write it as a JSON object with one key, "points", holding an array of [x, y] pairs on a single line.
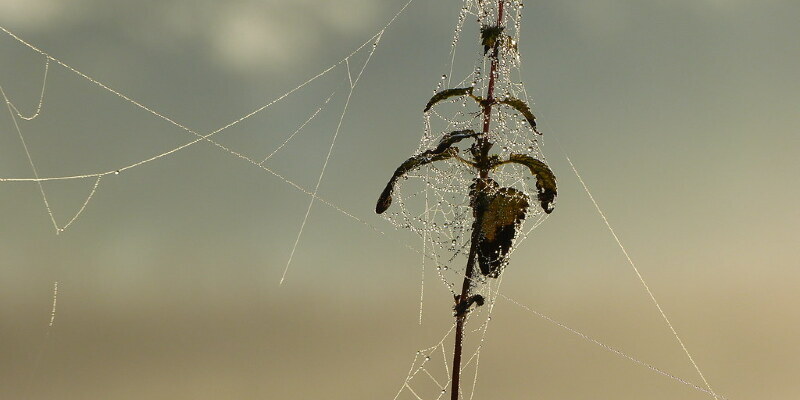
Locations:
{"points": [[545, 179], [499, 211], [462, 306], [442, 151], [427, 157], [523, 108], [452, 138], [446, 94]]}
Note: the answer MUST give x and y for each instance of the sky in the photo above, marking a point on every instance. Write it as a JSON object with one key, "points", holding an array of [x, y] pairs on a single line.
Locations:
{"points": [[680, 116]]}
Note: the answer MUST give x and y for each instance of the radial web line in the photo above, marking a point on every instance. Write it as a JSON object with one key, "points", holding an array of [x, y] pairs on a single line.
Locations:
{"points": [[571, 330], [85, 203], [439, 348], [330, 151], [349, 74], [173, 122], [444, 357], [475, 380], [422, 273], [300, 128], [200, 138], [46, 340], [232, 152], [223, 147], [90, 79], [433, 378], [422, 262], [55, 300], [413, 392], [162, 116], [454, 46], [476, 354], [609, 348], [251, 161], [412, 372], [41, 96], [484, 327], [374, 39], [287, 181], [30, 160], [641, 279]]}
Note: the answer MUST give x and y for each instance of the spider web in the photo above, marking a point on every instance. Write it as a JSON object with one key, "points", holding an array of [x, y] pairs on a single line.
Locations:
{"points": [[433, 202]]}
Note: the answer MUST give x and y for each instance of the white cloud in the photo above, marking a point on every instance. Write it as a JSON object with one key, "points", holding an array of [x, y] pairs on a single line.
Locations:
{"points": [[34, 14], [251, 35], [246, 40], [246, 35]]}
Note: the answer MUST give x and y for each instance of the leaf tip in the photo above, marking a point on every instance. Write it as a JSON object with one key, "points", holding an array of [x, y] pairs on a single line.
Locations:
{"points": [[384, 201]]}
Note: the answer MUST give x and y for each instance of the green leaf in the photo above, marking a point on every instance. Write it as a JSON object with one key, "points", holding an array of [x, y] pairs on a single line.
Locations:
{"points": [[489, 35], [523, 108], [446, 94], [545, 179]]}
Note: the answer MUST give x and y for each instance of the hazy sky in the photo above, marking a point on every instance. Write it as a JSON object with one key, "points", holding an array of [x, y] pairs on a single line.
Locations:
{"points": [[682, 117]]}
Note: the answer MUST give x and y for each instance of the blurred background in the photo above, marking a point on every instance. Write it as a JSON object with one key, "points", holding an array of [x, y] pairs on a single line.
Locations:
{"points": [[681, 116]]}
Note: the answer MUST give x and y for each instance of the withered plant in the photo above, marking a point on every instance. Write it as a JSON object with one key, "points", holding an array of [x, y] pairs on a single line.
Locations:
{"points": [[497, 211]]}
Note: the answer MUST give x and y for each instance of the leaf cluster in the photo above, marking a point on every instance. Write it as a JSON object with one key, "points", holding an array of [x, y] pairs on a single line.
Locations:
{"points": [[498, 211], [513, 102]]}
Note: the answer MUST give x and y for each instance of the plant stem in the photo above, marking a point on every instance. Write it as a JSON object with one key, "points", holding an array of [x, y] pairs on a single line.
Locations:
{"points": [[485, 145]]}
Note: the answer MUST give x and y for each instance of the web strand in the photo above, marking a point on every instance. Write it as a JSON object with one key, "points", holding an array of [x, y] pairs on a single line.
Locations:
{"points": [[38, 109], [609, 348], [641, 279], [85, 203], [55, 301], [420, 368], [300, 128], [422, 263], [200, 137], [330, 151], [164, 117], [30, 160]]}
